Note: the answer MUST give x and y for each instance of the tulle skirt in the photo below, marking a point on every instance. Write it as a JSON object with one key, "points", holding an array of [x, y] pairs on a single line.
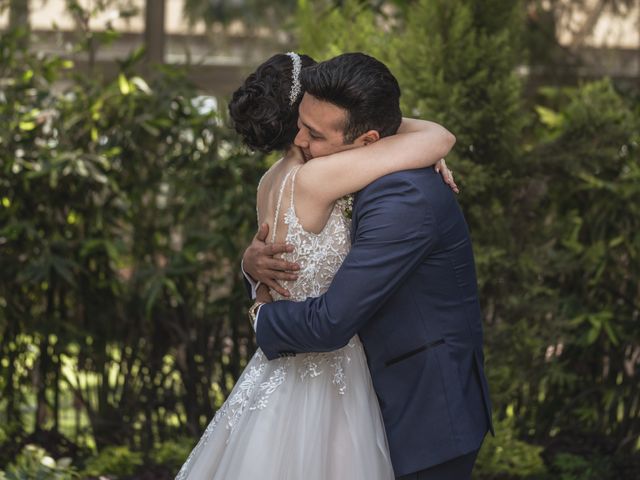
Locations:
{"points": [[309, 417]]}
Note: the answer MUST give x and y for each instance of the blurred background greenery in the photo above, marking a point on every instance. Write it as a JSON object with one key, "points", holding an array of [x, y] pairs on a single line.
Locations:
{"points": [[126, 202]]}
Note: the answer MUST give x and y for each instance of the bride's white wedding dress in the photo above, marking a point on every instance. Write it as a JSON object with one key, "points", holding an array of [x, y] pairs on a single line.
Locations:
{"points": [[307, 417]]}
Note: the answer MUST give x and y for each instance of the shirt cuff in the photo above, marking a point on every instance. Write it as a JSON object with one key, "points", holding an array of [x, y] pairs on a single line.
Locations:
{"points": [[252, 282]]}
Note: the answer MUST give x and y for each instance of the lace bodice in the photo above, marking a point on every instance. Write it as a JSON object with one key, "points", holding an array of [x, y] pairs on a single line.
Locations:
{"points": [[318, 254]]}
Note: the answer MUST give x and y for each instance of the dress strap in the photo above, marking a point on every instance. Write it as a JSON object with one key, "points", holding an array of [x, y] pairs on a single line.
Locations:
{"points": [[293, 183], [279, 203]]}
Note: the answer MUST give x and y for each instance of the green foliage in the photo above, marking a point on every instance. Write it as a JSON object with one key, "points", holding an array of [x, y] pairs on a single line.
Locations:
{"points": [[326, 30], [172, 454], [506, 455], [569, 466], [125, 205], [114, 460], [33, 463], [590, 211]]}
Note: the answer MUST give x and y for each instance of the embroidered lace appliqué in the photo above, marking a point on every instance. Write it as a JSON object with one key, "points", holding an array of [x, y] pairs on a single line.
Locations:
{"points": [[276, 379]]}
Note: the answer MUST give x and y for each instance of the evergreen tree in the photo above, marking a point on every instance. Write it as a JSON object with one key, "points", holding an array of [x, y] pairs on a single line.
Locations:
{"points": [[325, 30]]}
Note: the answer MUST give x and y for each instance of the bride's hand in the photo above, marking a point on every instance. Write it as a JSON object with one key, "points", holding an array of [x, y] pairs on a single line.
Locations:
{"points": [[447, 175], [260, 263]]}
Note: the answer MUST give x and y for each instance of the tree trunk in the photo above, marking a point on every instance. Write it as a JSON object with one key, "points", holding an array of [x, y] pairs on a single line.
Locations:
{"points": [[18, 14], [9, 392], [42, 408], [19, 20], [154, 32]]}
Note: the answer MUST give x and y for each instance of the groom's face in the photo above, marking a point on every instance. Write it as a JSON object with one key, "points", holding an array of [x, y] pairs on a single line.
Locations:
{"points": [[321, 128]]}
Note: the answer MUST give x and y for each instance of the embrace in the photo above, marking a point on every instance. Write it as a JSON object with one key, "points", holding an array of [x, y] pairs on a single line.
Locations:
{"points": [[370, 363]]}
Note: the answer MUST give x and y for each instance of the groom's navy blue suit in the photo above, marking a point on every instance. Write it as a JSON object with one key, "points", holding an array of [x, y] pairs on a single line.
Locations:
{"points": [[408, 289]]}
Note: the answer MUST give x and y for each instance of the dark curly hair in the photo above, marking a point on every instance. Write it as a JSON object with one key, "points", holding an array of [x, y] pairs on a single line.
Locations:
{"points": [[260, 109]]}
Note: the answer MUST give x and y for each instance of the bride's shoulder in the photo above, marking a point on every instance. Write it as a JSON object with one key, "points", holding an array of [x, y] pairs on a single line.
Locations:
{"points": [[268, 175], [277, 165]]}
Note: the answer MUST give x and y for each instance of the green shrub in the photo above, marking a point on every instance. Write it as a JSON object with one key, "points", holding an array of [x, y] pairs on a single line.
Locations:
{"points": [[33, 463], [569, 466], [128, 201], [587, 224], [506, 455], [173, 453], [116, 460]]}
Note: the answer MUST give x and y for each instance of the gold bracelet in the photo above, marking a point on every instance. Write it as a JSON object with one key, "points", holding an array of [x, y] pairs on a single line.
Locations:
{"points": [[253, 313]]}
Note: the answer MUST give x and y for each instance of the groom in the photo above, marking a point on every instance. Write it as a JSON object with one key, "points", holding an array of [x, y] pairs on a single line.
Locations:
{"points": [[407, 287]]}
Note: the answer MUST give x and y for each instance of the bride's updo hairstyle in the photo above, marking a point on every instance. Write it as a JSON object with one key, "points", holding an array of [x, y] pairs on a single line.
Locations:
{"points": [[264, 110]]}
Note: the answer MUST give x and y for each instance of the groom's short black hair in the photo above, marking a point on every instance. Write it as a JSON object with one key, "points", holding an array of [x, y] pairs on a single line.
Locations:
{"points": [[361, 85]]}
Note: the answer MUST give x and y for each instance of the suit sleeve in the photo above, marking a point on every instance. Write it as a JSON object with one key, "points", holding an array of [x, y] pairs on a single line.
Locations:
{"points": [[395, 231]]}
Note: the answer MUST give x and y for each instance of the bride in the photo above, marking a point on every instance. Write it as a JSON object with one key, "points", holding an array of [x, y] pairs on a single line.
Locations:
{"points": [[313, 416]]}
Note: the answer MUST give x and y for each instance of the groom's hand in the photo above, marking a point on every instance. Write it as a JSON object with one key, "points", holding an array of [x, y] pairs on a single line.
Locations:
{"points": [[260, 263]]}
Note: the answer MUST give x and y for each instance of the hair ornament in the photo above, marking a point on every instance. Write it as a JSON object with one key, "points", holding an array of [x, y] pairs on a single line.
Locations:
{"points": [[296, 88]]}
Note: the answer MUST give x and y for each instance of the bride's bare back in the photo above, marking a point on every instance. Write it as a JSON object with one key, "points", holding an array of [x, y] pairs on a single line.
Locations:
{"points": [[274, 198]]}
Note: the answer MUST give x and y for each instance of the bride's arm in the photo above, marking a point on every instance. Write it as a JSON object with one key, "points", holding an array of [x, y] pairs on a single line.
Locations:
{"points": [[418, 144]]}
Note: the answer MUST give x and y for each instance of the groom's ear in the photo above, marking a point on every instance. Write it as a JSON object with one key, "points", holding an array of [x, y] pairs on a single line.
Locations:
{"points": [[367, 138]]}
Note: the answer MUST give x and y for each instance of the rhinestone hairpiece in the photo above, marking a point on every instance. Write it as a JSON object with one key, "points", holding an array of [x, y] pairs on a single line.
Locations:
{"points": [[295, 77]]}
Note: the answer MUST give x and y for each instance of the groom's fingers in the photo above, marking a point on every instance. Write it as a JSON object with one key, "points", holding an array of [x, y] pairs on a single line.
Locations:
{"points": [[272, 284], [284, 275], [263, 231], [447, 176], [277, 248], [272, 248], [280, 265], [452, 182]]}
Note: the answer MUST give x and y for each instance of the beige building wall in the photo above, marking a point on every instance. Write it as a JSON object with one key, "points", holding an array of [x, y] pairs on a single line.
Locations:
{"points": [[610, 30], [219, 56], [596, 26], [608, 43], [45, 14]]}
